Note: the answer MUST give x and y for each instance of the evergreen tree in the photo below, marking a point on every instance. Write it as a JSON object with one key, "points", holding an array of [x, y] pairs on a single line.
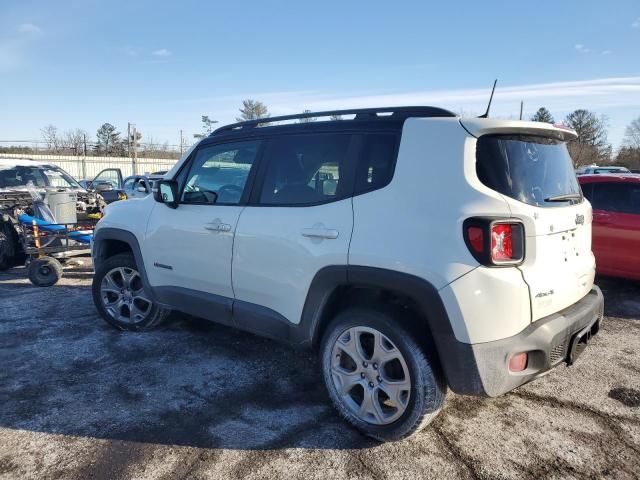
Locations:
{"points": [[252, 110], [543, 115]]}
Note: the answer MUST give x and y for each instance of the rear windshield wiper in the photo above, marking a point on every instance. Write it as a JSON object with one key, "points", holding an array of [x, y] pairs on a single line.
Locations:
{"points": [[564, 198]]}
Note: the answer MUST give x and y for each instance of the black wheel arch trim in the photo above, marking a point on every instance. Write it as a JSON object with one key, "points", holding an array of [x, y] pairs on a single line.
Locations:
{"points": [[456, 358], [105, 234]]}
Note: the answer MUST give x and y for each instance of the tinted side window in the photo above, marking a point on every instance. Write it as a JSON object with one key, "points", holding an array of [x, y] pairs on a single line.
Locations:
{"points": [[617, 197], [218, 173], [306, 169], [376, 162]]}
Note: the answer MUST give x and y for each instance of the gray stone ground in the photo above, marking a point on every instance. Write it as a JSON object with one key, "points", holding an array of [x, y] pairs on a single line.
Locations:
{"points": [[196, 400]]}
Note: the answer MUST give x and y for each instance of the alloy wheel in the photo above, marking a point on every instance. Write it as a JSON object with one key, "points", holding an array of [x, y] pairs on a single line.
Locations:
{"points": [[123, 295], [370, 375]]}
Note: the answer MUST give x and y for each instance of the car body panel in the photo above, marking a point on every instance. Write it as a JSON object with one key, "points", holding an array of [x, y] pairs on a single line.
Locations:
{"points": [[616, 234]]}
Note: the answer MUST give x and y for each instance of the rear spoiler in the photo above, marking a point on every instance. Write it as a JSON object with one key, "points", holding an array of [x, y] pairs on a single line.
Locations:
{"points": [[483, 126]]}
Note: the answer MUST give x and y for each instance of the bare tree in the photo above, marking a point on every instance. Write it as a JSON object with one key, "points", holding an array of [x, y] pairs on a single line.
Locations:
{"points": [[336, 117], [252, 110], [51, 138], [632, 134], [629, 157], [73, 141], [592, 145]]}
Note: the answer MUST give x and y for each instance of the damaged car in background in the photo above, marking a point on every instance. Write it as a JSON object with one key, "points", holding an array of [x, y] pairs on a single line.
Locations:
{"points": [[64, 196]]}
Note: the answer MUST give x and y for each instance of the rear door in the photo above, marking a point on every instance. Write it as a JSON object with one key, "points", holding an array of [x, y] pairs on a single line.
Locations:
{"points": [[616, 228], [299, 220], [536, 177]]}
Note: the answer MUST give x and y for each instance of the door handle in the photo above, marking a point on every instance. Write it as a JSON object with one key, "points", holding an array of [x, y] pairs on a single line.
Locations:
{"points": [[320, 232], [217, 226]]}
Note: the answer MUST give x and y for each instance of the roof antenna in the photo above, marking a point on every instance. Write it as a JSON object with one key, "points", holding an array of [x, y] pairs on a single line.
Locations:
{"points": [[486, 114]]}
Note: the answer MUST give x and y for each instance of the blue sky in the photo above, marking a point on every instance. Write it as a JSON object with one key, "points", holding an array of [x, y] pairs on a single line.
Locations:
{"points": [[80, 63]]}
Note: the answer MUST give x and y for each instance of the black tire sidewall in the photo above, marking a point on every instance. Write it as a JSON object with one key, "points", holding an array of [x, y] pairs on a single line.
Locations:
{"points": [[40, 280], [427, 388], [127, 261]]}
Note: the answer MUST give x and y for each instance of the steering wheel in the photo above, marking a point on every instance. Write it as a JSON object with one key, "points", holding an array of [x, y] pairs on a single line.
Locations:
{"points": [[234, 191]]}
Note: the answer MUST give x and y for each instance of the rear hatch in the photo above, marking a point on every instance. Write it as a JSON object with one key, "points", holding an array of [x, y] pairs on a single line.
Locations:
{"points": [[532, 170]]}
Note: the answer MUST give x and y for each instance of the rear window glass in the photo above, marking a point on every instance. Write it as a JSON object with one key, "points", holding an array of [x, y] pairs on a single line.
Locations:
{"points": [[533, 170]]}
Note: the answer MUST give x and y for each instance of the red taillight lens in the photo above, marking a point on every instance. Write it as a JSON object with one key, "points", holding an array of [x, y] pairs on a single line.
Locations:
{"points": [[476, 238], [502, 242]]}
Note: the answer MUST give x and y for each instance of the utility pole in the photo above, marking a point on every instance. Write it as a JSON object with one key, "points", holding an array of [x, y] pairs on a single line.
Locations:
{"points": [[521, 107], [132, 137], [181, 143], [84, 156], [135, 150]]}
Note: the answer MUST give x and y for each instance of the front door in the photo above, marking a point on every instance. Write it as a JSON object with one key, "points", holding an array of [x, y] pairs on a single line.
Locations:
{"points": [[111, 177], [188, 254]]}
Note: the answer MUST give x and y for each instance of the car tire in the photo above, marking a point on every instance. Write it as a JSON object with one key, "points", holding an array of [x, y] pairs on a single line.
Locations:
{"points": [[44, 271], [362, 392], [120, 296]]}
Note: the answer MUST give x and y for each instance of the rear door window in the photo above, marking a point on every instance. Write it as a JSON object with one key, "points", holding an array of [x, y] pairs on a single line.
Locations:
{"points": [[306, 169], [616, 197], [531, 169]]}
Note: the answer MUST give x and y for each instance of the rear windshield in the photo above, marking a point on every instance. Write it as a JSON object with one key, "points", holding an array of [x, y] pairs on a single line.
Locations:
{"points": [[534, 170]]}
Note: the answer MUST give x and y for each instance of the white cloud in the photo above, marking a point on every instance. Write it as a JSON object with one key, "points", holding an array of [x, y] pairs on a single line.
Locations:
{"points": [[29, 29], [636, 23], [582, 49], [14, 51], [163, 52], [130, 51]]}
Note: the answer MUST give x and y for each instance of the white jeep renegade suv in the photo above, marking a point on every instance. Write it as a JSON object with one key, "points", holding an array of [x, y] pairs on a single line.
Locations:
{"points": [[416, 250]]}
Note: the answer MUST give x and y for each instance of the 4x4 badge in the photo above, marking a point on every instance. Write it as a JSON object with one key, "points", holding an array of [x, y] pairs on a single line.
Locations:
{"points": [[579, 219]]}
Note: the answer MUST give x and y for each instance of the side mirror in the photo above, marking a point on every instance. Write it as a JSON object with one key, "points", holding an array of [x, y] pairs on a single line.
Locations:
{"points": [[167, 193], [103, 187]]}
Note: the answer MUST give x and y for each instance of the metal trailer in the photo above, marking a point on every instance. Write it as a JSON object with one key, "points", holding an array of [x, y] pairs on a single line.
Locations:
{"points": [[36, 242]]}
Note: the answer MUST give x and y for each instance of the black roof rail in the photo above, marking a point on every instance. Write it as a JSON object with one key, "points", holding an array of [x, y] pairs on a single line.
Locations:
{"points": [[393, 113]]}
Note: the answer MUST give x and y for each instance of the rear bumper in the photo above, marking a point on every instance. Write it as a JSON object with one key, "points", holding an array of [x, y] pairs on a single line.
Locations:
{"points": [[482, 368]]}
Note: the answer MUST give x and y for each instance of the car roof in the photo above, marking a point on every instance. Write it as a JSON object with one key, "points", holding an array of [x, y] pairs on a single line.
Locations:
{"points": [[22, 162], [610, 178]]}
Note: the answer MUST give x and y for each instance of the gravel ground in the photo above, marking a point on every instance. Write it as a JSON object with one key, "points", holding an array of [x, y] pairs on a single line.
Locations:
{"points": [[196, 400]]}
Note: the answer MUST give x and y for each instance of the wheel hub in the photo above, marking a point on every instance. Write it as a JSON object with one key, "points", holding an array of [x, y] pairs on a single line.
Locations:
{"points": [[370, 375]]}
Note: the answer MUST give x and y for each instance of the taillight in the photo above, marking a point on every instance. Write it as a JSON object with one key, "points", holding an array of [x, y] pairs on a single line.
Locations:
{"points": [[494, 242]]}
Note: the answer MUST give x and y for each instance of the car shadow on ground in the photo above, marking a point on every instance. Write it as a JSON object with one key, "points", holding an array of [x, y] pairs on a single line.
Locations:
{"points": [[190, 382], [622, 297]]}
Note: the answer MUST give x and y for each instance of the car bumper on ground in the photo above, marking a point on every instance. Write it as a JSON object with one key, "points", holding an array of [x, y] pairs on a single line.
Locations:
{"points": [[483, 368]]}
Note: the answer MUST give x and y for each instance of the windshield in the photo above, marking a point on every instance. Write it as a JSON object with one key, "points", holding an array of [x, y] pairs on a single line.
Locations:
{"points": [[530, 169], [40, 176]]}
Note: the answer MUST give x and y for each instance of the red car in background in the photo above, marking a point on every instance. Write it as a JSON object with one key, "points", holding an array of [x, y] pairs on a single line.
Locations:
{"points": [[616, 222]]}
